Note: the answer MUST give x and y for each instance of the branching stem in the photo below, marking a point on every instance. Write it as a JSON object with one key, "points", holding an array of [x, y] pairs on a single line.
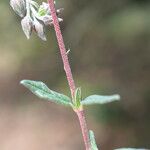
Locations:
{"points": [[80, 113]]}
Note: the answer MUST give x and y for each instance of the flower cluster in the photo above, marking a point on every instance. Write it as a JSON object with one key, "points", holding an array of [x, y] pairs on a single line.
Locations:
{"points": [[35, 17]]}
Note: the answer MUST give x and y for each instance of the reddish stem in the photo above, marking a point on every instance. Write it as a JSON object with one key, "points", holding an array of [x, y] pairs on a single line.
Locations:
{"points": [[68, 72], [62, 48], [83, 125]]}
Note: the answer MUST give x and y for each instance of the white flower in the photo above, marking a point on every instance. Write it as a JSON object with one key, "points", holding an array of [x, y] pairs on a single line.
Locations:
{"points": [[19, 7], [27, 25], [35, 17], [39, 28]]}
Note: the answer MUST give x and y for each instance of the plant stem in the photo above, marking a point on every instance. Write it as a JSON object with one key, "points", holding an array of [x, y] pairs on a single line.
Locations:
{"points": [[62, 48], [28, 7], [83, 125], [67, 68]]}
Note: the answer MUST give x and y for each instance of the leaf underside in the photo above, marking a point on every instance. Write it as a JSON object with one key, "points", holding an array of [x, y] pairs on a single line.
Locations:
{"points": [[92, 140], [42, 91], [99, 99]]}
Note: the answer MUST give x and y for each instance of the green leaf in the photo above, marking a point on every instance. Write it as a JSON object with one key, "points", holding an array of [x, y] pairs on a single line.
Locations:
{"points": [[131, 149], [77, 98], [42, 91], [92, 140], [99, 99], [42, 11]]}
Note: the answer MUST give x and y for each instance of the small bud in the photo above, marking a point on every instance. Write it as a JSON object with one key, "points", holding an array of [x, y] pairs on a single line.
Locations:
{"points": [[59, 11], [19, 7], [44, 14], [60, 19], [39, 28], [47, 19], [45, 6], [27, 24]]}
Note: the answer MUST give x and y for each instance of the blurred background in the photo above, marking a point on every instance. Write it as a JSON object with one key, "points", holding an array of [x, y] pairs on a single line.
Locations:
{"points": [[110, 53]]}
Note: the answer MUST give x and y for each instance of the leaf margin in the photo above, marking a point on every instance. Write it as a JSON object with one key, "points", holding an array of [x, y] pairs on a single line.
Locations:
{"points": [[100, 99], [41, 90]]}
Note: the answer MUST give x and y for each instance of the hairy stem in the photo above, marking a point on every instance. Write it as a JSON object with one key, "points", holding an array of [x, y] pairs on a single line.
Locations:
{"points": [[68, 72], [83, 125], [62, 48]]}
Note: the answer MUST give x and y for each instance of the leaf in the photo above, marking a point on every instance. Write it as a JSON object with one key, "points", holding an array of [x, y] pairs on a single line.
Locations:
{"points": [[77, 98], [99, 99], [43, 9], [42, 91], [131, 149], [92, 140]]}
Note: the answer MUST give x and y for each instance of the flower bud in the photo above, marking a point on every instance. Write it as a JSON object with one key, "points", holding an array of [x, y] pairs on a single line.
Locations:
{"points": [[47, 19], [45, 16], [59, 11], [19, 7], [60, 19], [39, 28], [27, 25], [44, 9]]}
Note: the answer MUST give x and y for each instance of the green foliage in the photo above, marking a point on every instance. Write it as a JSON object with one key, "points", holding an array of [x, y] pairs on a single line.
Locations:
{"points": [[42, 91], [92, 140], [98, 99], [42, 11], [77, 98]]}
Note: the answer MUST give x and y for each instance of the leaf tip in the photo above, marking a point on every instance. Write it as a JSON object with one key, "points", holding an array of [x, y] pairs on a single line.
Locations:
{"points": [[117, 97], [91, 133], [24, 82]]}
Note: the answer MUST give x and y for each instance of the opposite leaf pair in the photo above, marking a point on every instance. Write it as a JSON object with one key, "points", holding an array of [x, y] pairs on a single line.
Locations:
{"points": [[42, 91]]}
